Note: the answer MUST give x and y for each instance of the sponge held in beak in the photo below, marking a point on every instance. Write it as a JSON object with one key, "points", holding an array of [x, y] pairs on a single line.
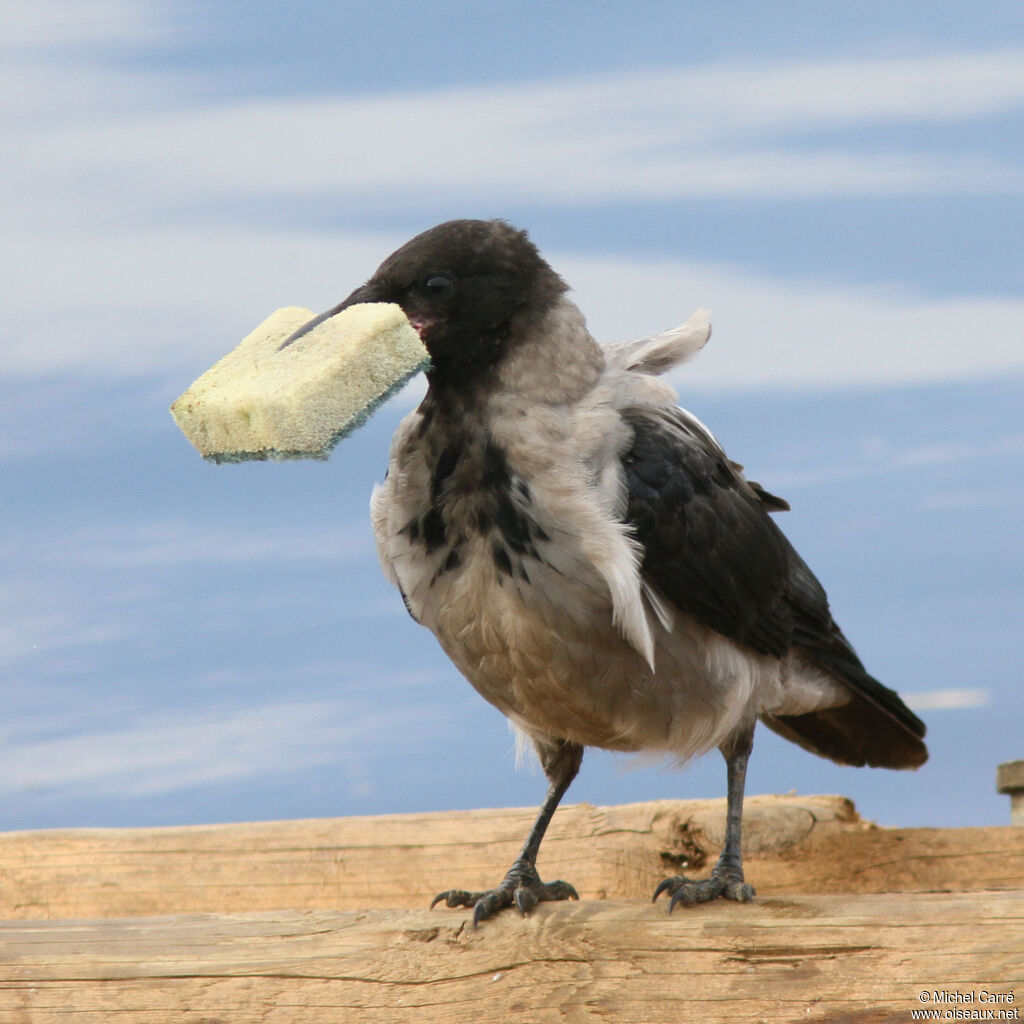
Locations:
{"points": [[266, 400]]}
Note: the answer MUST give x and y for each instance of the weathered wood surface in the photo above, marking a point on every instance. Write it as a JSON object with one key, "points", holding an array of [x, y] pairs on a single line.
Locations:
{"points": [[316, 922], [861, 958], [813, 844]]}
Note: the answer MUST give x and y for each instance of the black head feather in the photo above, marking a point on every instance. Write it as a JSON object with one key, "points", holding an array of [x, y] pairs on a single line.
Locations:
{"points": [[465, 286]]}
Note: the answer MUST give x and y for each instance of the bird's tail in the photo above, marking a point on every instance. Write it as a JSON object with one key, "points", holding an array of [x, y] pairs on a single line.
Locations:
{"points": [[875, 728], [856, 734]]}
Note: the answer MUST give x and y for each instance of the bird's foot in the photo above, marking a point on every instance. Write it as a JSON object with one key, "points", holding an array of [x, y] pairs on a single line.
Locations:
{"points": [[725, 882], [521, 888]]}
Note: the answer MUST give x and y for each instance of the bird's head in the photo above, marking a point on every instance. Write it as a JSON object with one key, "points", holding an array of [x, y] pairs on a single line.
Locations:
{"points": [[464, 285]]}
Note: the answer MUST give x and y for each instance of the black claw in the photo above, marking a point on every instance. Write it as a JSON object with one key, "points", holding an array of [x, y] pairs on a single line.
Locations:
{"points": [[525, 900], [456, 898], [726, 884], [741, 892], [521, 887], [693, 893], [663, 886], [559, 890]]}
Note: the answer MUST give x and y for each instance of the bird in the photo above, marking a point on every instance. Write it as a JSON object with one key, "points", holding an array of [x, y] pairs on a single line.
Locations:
{"points": [[588, 556]]}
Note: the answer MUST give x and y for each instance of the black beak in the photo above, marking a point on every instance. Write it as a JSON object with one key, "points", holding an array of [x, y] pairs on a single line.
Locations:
{"points": [[364, 293]]}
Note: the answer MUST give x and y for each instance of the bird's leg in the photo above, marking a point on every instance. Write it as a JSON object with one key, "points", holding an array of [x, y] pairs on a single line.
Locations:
{"points": [[522, 885], [727, 876]]}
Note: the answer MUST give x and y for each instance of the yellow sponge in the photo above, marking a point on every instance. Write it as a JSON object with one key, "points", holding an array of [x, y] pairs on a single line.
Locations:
{"points": [[262, 401]]}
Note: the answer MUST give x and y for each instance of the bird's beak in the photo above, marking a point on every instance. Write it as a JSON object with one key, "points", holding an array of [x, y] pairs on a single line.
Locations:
{"points": [[364, 293]]}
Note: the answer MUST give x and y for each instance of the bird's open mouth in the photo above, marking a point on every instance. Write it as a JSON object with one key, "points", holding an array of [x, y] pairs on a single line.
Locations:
{"points": [[422, 325]]}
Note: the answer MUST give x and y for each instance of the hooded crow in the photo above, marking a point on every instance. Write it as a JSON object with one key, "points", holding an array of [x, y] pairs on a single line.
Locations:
{"points": [[589, 557]]}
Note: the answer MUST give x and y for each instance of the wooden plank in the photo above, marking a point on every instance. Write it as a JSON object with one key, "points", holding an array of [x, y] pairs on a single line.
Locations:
{"points": [[1010, 780], [370, 862], [793, 845], [854, 958]]}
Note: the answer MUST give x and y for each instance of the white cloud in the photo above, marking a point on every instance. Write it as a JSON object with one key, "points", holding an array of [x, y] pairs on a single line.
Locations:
{"points": [[800, 332], [31, 635], [101, 276], [946, 700], [56, 68], [716, 129], [147, 298], [43, 25], [973, 499], [972, 460], [163, 753], [161, 299], [80, 598], [41, 619], [174, 543]]}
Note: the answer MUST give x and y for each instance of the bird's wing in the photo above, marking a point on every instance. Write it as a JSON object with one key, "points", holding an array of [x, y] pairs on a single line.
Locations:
{"points": [[661, 352], [707, 543], [711, 548]]}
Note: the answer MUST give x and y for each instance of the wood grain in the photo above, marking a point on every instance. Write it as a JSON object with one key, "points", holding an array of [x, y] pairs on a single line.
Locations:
{"points": [[792, 844], [810, 958], [324, 921]]}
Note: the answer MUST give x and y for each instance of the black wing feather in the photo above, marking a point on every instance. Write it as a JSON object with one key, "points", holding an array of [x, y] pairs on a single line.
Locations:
{"points": [[708, 543], [712, 549]]}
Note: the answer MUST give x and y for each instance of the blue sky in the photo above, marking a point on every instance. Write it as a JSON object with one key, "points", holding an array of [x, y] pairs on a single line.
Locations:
{"points": [[842, 185]]}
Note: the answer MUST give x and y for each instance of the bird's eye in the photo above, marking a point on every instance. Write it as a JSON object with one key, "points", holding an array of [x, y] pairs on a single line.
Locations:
{"points": [[439, 284]]}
